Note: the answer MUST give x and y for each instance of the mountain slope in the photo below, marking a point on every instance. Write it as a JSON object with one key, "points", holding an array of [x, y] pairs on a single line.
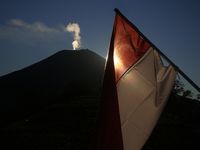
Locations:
{"points": [[53, 105], [63, 75]]}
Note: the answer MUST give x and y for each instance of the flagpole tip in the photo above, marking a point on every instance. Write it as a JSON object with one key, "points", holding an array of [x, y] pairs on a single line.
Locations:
{"points": [[116, 10]]}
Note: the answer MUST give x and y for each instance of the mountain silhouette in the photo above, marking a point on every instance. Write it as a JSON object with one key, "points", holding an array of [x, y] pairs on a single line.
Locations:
{"points": [[63, 75], [54, 105]]}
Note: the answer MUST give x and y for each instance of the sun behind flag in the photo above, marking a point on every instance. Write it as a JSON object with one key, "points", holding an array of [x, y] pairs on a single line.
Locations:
{"points": [[135, 89]]}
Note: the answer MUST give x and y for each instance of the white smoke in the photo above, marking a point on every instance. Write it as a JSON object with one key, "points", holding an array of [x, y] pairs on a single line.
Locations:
{"points": [[74, 27]]}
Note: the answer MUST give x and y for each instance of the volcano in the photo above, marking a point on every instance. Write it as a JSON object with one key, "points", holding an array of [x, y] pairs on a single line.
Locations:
{"points": [[65, 74], [50, 101], [54, 105]]}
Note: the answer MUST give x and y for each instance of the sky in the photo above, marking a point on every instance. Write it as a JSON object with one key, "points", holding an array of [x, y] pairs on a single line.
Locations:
{"points": [[33, 30]]}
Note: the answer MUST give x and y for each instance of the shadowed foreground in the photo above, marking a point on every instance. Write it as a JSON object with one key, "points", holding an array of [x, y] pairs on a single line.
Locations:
{"points": [[54, 105]]}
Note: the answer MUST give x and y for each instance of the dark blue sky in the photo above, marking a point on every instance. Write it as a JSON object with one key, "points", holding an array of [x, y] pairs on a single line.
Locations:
{"points": [[33, 30]]}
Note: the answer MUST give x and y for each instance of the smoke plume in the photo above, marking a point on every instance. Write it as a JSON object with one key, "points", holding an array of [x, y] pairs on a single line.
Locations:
{"points": [[74, 27]]}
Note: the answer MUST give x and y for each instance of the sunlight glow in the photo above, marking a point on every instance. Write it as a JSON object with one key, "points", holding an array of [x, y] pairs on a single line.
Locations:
{"points": [[117, 62]]}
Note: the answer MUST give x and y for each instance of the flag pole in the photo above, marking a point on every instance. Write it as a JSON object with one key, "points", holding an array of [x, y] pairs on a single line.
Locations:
{"points": [[160, 52]]}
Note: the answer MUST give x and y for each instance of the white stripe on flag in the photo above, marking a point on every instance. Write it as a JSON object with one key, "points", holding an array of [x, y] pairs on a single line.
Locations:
{"points": [[142, 94]]}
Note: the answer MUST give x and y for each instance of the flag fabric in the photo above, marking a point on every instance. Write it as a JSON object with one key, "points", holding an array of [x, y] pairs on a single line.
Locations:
{"points": [[135, 89]]}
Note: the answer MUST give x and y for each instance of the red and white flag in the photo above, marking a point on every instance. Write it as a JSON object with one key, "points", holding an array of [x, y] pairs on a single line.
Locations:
{"points": [[135, 89]]}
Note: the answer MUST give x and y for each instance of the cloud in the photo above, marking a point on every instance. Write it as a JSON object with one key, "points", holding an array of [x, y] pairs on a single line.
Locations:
{"points": [[35, 26], [21, 32]]}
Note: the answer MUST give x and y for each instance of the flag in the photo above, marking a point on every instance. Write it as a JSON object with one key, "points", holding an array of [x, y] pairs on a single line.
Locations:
{"points": [[135, 88]]}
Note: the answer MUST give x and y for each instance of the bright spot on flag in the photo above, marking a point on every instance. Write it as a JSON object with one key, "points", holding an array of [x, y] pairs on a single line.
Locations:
{"points": [[117, 62]]}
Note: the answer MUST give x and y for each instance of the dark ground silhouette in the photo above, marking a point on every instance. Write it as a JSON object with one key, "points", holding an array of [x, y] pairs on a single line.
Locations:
{"points": [[54, 104]]}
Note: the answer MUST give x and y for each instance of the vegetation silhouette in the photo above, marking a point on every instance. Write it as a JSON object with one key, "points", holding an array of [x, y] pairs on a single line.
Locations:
{"points": [[54, 105]]}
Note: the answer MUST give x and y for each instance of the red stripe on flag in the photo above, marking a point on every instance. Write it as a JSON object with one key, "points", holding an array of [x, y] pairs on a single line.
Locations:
{"points": [[126, 47], [110, 134], [129, 46]]}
